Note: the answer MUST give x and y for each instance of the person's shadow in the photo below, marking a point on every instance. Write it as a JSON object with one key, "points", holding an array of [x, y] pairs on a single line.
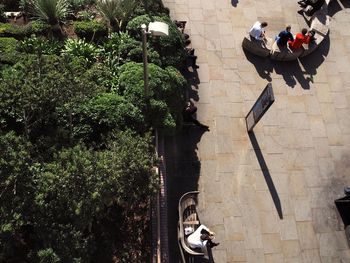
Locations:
{"points": [[234, 3]]}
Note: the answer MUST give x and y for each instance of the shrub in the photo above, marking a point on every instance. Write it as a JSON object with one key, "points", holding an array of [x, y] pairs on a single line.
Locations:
{"points": [[40, 46], [2, 14], [166, 87], [51, 11], [79, 48], [101, 115], [90, 30], [170, 48], [79, 4], [39, 27], [8, 53], [20, 32], [10, 5], [48, 256], [10, 30], [122, 48]]}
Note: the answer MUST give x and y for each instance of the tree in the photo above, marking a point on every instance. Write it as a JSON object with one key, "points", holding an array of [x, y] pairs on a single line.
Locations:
{"points": [[116, 12], [167, 88], [34, 89]]}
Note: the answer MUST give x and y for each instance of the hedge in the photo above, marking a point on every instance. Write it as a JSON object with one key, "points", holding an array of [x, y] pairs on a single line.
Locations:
{"points": [[90, 30]]}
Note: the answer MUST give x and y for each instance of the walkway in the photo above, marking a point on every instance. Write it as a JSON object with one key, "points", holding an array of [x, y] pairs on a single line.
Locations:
{"points": [[304, 138]]}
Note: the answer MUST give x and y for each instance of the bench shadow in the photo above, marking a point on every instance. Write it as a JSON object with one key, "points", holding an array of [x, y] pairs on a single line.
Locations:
{"points": [[298, 71], [266, 173], [263, 66]]}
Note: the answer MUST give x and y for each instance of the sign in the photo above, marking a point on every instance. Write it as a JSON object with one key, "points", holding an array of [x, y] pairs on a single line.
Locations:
{"points": [[261, 105]]}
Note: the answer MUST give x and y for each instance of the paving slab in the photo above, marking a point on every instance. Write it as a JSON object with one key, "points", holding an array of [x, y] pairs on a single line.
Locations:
{"points": [[272, 199]]}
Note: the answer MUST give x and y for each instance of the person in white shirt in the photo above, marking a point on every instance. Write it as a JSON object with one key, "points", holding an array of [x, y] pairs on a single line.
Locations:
{"points": [[257, 31], [201, 237]]}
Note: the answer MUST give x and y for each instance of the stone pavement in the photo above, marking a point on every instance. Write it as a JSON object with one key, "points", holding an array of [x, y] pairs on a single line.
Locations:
{"points": [[298, 161]]}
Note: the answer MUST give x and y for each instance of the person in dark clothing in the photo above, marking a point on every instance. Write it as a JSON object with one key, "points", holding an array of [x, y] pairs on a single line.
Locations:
{"points": [[285, 36], [188, 112], [311, 6]]}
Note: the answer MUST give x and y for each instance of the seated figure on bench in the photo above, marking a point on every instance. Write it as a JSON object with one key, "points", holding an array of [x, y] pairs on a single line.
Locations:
{"points": [[202, 237]]}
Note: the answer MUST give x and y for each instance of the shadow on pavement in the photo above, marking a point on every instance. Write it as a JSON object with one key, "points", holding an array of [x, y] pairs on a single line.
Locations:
{"points": [[291, 71], [266, 173], [182, 168]]}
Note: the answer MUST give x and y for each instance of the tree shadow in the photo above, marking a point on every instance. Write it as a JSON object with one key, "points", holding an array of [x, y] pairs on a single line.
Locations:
{"points": [[266, 173], [182, 167]]}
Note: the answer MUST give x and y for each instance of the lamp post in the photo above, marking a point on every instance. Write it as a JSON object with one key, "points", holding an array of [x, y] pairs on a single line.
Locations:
{"points": [[155, 29]]}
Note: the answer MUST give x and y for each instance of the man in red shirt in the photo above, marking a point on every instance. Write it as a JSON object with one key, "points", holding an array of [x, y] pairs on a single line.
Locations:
{"points": [[300, 38]]}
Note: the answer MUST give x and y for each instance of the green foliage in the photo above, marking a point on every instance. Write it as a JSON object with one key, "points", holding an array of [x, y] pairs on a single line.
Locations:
{"points": [[80, 187], [39, 27], [2, 14], [170, 48], [122, 48], [79, 4], [7, 44], [51, 11], [8, 54], [80, 48], [150, 7], [90, 30], [10, 5], [20, 32], [10, 30], [32, 89], [166, 87], [101, 115], [117, 12], [48, 256], [40, 46], [85, 15]]}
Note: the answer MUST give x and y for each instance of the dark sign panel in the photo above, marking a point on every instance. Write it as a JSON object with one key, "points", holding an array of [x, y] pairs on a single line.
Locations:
{"points": [[262, 104]]}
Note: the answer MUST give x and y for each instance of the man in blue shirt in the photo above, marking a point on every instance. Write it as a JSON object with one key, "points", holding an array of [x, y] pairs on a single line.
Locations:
{"points": [[284, 37]]}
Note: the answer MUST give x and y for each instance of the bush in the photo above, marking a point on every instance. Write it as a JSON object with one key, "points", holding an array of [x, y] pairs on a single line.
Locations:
{"points": [[79, 48], [122, 48], [170, 48], [101, 115], [79, 4], [90, 30], [2, 14], [10, 30], [8, 54], [40, 46], [20, 32], [48, 256], [10, 5], [39, 27], [166, 87]]}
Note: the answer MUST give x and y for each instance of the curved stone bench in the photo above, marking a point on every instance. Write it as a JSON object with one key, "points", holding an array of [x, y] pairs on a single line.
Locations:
{"points": [[257, 47], [319, 23]]}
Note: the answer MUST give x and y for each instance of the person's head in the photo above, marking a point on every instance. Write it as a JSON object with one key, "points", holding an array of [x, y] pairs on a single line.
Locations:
{"points": [[263, 24], [288, 28], [304, 31]]}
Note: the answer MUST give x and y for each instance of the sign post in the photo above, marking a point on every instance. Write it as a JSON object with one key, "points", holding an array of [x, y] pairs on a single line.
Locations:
{"points": [[262, 104]]}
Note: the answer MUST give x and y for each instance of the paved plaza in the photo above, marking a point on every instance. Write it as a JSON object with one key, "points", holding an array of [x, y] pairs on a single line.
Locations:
{"points": [[270, 196]]}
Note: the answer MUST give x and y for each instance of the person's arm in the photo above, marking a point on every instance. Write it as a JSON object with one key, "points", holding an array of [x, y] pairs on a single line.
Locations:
{"points": [[307, 39], [291, 36]]}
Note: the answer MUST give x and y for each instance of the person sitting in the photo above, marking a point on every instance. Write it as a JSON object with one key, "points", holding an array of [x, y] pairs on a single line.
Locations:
{"points": [[187, 113], [257, 31], [202, 237], [300, 39], [311, 7], [284, 36]]}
